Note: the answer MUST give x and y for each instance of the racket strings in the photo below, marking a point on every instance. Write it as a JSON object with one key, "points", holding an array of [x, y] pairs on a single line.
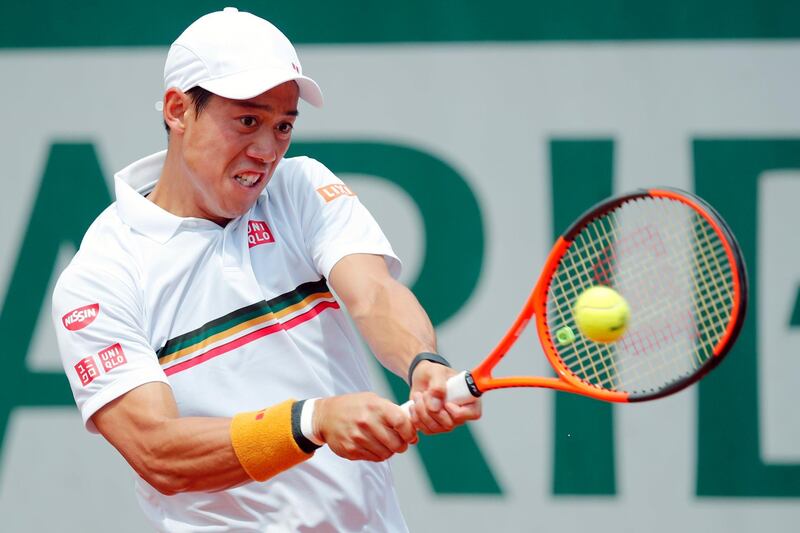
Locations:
{"points": [[671, 266], [711, 271], [651, 339], [595, 367]]}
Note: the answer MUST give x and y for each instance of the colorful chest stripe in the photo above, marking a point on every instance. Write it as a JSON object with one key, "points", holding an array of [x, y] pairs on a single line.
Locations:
{"points": [[245, 325]]}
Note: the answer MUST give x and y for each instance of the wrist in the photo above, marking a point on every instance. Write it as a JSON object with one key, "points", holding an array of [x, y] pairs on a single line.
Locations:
{"points": [[425, 356], [307, 422], [307, 444], [316, 419], [268, 441]]}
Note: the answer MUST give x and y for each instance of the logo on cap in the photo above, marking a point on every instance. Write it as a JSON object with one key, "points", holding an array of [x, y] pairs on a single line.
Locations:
{"points": [[81, 317]]}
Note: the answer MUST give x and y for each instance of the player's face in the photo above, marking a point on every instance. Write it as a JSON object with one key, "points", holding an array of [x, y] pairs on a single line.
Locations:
{"points": [[231, 149]]}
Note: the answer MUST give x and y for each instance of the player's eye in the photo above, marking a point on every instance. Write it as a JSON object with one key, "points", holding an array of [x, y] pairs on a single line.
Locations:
{"points": [[248, 121], [285, 127]]}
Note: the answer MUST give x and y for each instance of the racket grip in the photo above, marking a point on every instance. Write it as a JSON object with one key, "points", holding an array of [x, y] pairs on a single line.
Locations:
{"points": [[458, 391]]}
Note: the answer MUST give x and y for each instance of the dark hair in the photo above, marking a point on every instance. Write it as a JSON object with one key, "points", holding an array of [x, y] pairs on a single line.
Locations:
{"points": [[200, 98]]}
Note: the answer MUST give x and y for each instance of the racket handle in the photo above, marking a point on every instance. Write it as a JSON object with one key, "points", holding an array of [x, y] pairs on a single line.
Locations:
{"points": [[458, 391]]}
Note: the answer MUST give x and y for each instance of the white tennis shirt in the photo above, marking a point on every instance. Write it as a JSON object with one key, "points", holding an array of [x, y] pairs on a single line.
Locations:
{"points": [[233, 319]]}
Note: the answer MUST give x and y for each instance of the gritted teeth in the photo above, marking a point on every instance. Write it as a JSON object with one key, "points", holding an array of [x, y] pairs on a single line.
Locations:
{"points": [[248, 179]]}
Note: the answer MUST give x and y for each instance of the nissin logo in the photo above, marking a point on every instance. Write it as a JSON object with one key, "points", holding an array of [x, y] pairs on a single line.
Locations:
{"points": [[80, 317]]}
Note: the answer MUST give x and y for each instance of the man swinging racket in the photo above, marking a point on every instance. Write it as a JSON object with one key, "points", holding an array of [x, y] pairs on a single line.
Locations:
{"points": [[197, 324]]}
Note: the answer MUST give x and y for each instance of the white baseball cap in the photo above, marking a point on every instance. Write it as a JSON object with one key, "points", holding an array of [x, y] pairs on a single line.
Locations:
{"points": [[235, 55]]}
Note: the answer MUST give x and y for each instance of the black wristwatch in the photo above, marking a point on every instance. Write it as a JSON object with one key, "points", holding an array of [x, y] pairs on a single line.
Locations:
{"points": [[425, 356]]}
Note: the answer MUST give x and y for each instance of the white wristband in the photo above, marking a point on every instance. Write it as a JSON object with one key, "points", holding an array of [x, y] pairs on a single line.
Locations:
{"points": [[307, 421]]}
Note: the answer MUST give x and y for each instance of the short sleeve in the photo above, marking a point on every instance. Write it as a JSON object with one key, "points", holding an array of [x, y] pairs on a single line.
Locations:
{"points": [[335, 222], [98, 318]]}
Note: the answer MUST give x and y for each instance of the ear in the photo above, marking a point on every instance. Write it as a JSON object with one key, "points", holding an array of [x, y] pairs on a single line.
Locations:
{"points": [[176, 108]]}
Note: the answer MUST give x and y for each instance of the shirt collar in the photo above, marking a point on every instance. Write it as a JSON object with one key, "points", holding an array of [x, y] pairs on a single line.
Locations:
{"points": [[131, 184]]}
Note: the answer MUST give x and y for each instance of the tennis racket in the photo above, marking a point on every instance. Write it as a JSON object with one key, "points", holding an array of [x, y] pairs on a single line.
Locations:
{"points": [[678, 266]]}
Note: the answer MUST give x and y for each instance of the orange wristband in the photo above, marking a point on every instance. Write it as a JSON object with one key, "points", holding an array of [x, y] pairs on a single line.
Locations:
{"points": [[264, 441]]}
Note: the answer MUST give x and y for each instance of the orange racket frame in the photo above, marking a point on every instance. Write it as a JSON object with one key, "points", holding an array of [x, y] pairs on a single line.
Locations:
{"points": [[480, 379]]}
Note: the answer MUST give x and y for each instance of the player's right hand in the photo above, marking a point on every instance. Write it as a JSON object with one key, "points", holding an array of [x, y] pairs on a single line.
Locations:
{"points": [[363, 426]]}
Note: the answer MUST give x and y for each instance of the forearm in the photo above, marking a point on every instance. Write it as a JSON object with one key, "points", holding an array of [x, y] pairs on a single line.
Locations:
{"points": [[180, 454], [394, 325], [185, 454]]}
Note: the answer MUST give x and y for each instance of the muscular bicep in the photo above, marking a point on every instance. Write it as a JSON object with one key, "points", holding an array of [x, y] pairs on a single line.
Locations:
{"points": [[126, 421], [172, 453], [133, 422], [359, 279]]}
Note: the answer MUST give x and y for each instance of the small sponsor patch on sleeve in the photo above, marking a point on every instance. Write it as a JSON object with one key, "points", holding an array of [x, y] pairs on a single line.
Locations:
{"points": [[87, 370], [112, 357], [333, 191], [81, 317]]}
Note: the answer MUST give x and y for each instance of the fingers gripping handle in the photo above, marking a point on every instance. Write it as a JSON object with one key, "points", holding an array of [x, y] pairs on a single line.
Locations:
{"points": [[459, 390]]}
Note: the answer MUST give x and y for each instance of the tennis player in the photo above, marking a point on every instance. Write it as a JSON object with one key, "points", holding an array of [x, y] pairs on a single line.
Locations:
{"points": [[198, 326]]}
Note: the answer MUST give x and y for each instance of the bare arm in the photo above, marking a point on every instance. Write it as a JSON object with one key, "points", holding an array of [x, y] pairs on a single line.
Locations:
{"points": [[396, 327], [184, 454], [386, 313], [181, 454], [171, 453]]}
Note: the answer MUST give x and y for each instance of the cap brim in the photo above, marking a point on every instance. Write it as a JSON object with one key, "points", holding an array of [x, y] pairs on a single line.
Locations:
{"points": [[251, 83]]}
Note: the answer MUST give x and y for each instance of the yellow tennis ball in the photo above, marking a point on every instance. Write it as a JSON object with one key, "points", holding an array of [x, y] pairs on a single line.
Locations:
{"points": [[601, 314]]}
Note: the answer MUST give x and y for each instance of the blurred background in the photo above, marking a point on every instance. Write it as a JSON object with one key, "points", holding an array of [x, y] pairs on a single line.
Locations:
{"points": [[475, 132]]}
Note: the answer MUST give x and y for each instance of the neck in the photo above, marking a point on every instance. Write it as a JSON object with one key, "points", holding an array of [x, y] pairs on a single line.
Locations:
{"points": [[173, 191]]}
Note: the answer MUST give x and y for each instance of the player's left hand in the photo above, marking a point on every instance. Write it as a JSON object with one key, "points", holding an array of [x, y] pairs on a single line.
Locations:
{"points": [[430, 413]]}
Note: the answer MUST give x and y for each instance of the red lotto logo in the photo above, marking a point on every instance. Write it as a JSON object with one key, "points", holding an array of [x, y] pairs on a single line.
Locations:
{"points": [[86, 370], [258, 233], [112, 357]]}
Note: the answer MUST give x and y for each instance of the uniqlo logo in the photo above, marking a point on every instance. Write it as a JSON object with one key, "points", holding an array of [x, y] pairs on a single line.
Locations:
{"points": [[258, 233], [81, 317], [334, 191], [112, 357], [86, 370]]}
